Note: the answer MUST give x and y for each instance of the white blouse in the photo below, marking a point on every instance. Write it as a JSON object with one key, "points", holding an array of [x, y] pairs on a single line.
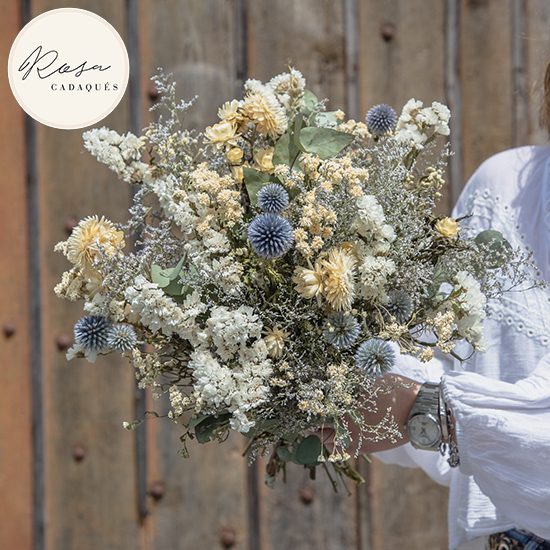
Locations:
{"points": [[500, 399]]}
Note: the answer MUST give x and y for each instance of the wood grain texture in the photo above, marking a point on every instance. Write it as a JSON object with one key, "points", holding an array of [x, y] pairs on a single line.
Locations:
{"points": [[408, 510], [486, 80], [90, 503], [307, 34], [307, 514], [16, 478], [205, 495], [402, 55]]}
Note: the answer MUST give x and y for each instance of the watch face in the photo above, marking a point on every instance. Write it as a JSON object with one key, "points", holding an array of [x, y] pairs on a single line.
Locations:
{"points": [[424, 430]]}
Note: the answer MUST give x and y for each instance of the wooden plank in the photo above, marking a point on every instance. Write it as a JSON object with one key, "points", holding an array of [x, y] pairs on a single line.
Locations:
{"points": [[408, 510], [90, 466], [453, 93], [520, 93], [403, 47], [315, 42], [487, 99], [204, 498], [403, 56], [309, 35], [16, 487], [538, 55]]}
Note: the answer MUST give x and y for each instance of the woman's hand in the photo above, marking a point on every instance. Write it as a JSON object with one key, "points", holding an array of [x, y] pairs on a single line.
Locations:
{"points": [[400, 398]]}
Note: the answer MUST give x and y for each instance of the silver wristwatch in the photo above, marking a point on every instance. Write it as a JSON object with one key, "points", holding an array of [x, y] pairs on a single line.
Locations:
{"points": [[424, 423]]}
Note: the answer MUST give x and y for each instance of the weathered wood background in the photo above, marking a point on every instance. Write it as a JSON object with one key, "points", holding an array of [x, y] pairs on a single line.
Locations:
{"points": [[70, 477]]}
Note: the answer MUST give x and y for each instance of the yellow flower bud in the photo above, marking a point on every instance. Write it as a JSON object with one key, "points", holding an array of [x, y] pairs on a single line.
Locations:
{"points": [[234, 155], [447, 227]]}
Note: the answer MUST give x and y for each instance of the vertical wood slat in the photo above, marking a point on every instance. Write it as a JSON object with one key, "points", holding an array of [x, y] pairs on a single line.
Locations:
{"points": [[520, 115], [453, 94], [402, 56], [205, 496], [90, 503], [16, 442], [315, 42], [486, 80]]}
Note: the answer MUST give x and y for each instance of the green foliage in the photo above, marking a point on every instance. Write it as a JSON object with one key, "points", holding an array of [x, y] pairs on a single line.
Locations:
{"points": [[497, 249]]}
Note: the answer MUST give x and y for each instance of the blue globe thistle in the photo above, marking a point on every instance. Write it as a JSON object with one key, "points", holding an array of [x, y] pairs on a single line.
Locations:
{"points": [[122, 338], [400, 306], [93, 332], [272, 198], [270, 235], [381, 119], [341, 330], [375, 357]]}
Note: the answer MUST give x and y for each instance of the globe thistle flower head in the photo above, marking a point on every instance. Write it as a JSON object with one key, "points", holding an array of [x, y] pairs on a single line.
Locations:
{"points": [[375, 357], [272, 198], [270, 236], [341, 330], [400, 306], [122, 338], [381, 120], [93, 332]]}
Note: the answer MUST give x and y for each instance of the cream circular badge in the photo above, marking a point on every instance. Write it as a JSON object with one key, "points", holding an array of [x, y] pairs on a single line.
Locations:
{"points": [[68, 68]]}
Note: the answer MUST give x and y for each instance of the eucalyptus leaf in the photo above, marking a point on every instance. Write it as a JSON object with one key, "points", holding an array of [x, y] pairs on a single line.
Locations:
{"points": [[308, 450], [159, 276], [324, 119], [496, 247], [310, 99], [324, 142], [176, 271], [285, 151], [254, 180], [204, 431], [196, 420], [284, 454]]}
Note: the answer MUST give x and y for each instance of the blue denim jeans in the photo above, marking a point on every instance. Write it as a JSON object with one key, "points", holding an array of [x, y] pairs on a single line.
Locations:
{"points": [[516, 540]]}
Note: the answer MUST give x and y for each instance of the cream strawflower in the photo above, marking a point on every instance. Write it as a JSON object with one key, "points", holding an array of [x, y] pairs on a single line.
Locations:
{"points": [[264, 158], [234, 155], [263, 109], [339, 283], [221, 134], [92, 237], [309, 282], [447, 227], [275, 340], [229, 111]]}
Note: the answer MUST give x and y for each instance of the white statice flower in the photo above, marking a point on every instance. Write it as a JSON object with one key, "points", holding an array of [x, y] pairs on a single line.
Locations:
{"points": [[472, 303], [238, 389], [415, 121], [159, 312], [213, 380], [370, 222], [121, 154], [176, 206], [372, 277], [231, 329], [77, 349]]}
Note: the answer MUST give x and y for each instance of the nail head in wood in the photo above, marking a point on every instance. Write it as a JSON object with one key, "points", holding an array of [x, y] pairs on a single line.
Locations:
{"points": [[79, 452], [9, 329], [387, 32], [228, 537], [70, 224], [157, 490], [307, 494], [63, 340]]}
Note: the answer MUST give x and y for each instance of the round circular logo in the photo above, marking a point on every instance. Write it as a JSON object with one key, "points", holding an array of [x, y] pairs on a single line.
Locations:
{"points": [[68, 68]]}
